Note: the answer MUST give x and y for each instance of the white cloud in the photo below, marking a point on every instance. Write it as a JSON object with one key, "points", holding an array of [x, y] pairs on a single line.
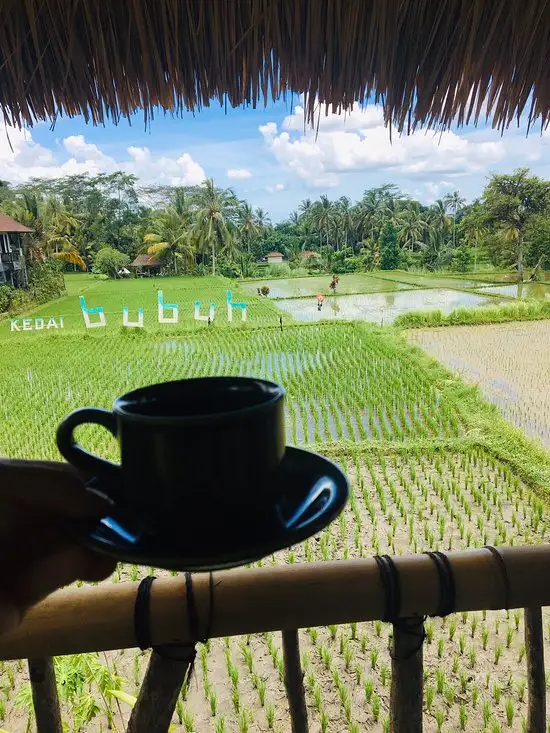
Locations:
{"points": [[359, 141], [77, 146], [140, 155], [239, 173], [22, 158], [277, 187]]}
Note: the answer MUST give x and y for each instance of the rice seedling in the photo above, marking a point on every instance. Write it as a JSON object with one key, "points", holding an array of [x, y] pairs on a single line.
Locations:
{"points": [[188, 721], [510, 712], [462, 716], [244, 720], [487, 714], [375, 708], [439, 680]]}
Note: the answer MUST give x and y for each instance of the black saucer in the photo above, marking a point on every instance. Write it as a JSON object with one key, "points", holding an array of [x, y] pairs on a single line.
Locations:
{"points": [[313, 491]]}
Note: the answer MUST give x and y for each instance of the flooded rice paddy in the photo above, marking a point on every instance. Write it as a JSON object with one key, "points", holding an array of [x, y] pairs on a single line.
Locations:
{"points": [[534, 291], [509, 361], [383, 308]]}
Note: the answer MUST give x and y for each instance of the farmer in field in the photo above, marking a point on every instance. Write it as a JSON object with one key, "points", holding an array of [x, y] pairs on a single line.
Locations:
{"points": [[41, 502]]}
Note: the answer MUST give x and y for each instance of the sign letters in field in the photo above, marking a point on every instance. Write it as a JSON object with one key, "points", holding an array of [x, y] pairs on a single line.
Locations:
{"points": [[96, 318], [167, 312], [36, 324]]}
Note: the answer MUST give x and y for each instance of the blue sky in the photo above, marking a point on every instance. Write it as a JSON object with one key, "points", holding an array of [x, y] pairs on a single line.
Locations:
{"points": [[268, 157]]}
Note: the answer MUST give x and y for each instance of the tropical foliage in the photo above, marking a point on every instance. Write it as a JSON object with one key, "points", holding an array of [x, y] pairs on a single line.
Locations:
{"points": [[206, 228]]}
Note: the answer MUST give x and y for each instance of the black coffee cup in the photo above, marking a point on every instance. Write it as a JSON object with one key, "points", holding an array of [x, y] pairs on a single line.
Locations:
{"points": [[195, 445]]}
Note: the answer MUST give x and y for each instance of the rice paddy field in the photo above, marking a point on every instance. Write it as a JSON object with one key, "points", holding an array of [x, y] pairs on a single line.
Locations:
{"points": [[509, 361], [432, 464], [384, 296]]}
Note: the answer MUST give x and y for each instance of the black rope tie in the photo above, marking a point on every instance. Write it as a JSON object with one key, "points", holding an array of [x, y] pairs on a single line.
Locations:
{"points": [[389, 576], [503, 570], [447, 588], [142, 622], [142, 617]]}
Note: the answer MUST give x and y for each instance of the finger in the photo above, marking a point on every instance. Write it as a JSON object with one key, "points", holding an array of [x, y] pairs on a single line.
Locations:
{"points": [[57, 570], [47, 486]]}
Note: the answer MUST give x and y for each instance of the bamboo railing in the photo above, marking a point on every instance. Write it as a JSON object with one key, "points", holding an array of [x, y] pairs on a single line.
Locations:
{"points": [[285, 598]]}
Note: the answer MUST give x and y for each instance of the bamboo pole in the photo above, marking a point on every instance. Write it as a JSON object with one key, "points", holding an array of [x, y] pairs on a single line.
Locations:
{"points": [[407, 680], [536, 683], [250, 600], [158, 693], [294, 681], [44, 696]]}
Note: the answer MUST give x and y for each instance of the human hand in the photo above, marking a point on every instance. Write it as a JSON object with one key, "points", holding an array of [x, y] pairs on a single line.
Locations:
{"points": [[39, 503]]}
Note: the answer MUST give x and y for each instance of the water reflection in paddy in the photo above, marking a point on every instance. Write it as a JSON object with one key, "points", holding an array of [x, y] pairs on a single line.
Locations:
{"points": [[537, 291], [383, 307]]}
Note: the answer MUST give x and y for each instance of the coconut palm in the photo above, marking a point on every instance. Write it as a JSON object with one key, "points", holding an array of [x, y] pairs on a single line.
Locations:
{"points": [[215, 211], [170, 240], [60, 230], [455, 203], [262, 218], [248, 225], [411, 227], [322, 214], [305, 207], [343, 220], [474, 237]]}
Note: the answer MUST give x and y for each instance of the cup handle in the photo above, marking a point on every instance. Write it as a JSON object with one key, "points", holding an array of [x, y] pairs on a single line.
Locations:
{"points": [[80, 458]]}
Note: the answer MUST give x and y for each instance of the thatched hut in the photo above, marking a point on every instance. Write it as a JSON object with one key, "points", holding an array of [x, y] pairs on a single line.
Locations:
{"points": [[428, 63]]}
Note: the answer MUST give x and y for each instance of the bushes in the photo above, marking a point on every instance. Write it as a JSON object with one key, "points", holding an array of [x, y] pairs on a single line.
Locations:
{"points": [[6, 294], [46, 282], [529, 311], [281, 270]]}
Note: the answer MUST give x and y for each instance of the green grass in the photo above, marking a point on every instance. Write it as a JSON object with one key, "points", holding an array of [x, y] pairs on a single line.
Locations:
{"points": [[112, 295], [528, 311], [348, 385]]}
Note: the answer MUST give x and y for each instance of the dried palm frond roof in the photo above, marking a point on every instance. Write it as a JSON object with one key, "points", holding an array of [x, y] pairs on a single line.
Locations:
{"points": [[429, 62], [146, 260]]}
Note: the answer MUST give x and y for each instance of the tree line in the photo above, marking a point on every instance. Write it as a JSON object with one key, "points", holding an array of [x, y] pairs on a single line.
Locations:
{"points": [[102, 222]]}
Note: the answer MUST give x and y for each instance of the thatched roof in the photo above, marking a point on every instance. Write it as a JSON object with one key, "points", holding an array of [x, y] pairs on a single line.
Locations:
{"points": [[9, 225], [427, 61], [145, 260]]}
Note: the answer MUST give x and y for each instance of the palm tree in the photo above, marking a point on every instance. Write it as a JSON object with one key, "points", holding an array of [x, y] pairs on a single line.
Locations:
{"points": [[436, 230], [473, 237], [411, 227], [343, 224], [248, 225], [214, 211], [455, 202], [262, 218], [169, 239], [376, 206], [305, 207], [60, 229], [322, 214]]}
